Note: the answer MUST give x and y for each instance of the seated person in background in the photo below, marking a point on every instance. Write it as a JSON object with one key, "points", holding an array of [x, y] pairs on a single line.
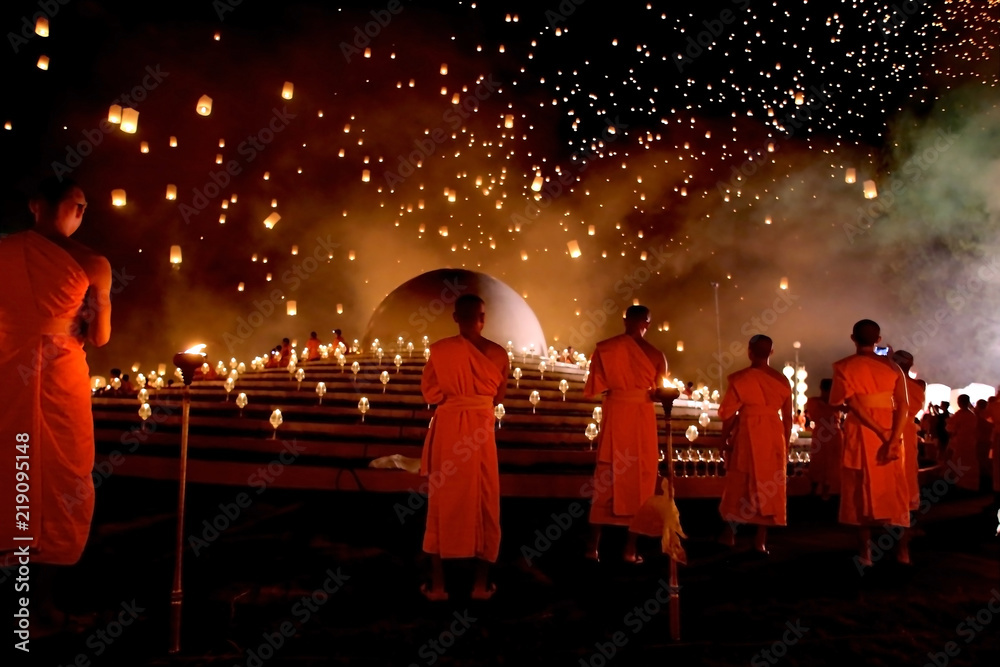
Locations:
{"points": [[962, 445], [311, 351], [273, 357], [286, 353], [127, 388], [110, 390], [338, 340]]}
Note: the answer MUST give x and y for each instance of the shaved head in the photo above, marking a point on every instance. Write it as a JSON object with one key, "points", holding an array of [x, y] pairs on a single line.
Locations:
{"points": [[866, 333], [637, 314], [467, 308], [903, 359], [760, 347]]}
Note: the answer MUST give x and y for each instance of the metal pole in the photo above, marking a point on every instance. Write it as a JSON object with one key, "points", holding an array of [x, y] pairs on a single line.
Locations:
{"points": [[718, 337], [177, 594]]}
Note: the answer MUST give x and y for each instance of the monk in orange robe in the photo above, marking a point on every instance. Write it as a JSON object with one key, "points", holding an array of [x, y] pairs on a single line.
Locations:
{"points": [[628, 371], [56, 296], [311, 349], [962, 443], [466, 376], [916, 399], [874, 490], [827, 441], [758, 444]]}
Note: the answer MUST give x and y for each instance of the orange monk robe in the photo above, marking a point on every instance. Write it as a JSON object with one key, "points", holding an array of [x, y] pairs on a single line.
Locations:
{"points": [[45, 393], [312, 349], [827, 448], [756, 470], [872, 492], [962, 445], [628, 454], [916, 400], [460, 452]]}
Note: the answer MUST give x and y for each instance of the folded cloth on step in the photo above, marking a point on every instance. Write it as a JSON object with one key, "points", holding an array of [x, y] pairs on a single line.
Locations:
{"points": [[397, 461]]}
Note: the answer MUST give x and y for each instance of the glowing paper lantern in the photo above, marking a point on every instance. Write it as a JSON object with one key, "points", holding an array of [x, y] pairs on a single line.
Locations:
{"points": [[366, 175], [115, 114], [130, 121], [499, 412], [144, 147], [239, 288], [171, 191], [666, 325], [591, 432], [43, 62], [691, 433], [276, 421], [508, 121], [363, 407], [204, 106], [118, 197], [591, 230], [320, 391], [444, 68], [563, 387], [680, 346], [290, 308], [173, 142], [784, 283], [536, 184], [534, 399], [340, 309], [271, 220], [175, 254], [574, 249], [287, 90], [851, 175], [350, 255], [42, 27], [871, 192]]}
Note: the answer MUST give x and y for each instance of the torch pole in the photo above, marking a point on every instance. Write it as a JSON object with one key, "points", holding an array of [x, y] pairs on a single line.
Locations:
{"points": [[667, 400], [177, 594]]}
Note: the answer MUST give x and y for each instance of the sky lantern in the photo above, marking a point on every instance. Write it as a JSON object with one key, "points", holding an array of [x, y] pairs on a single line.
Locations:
{"points": [[173, 142], [268, 277], [118, 197], [239, 288], [171, 191], [368, 52], [42, 27], [443, 230], [871, 192], [524, 255], [444, 68], [175, 255], [350, 255], [574, 249], [591, 230], [800, 99], [784, 283], [665, 326], [271, 220], [218, 158], [115, 114], [130, 121], [680, 346], [267, 175], [288, 90], [144, 147], [204, 106], [295, 250], [8, 126], [43, 62], [536, 184], [508, 121], [290, 308], [851, 175], [222, 219], [218, 36], [340, 309], [366, 175]]}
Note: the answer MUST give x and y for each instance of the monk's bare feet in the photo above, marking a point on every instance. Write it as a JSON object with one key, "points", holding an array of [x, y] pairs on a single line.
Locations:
{"points": [[434, 594], [483, 592], [592, 554], [760, 542], [903, 554], [633, 558]]}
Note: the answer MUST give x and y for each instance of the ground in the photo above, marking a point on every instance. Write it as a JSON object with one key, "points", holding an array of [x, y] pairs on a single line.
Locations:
{"points": [[805, 604]]}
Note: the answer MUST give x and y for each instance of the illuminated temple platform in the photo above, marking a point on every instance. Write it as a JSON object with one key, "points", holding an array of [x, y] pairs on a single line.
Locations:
{"points": [[545, 454]]}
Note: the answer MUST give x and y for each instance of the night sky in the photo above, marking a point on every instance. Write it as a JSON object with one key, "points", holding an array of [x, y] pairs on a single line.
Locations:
{"points": [[675, 144]]}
